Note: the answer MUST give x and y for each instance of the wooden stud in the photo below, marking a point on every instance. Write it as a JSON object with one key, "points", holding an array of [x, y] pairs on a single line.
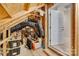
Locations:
{"points": [[46, 36], [76, 29], [4, 44], [9, 33], [73, 29]]}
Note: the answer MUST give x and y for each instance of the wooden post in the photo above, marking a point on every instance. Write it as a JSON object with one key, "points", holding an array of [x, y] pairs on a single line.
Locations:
{"points": [[9, 32], [73, 41], [76, 30], [22, 35], [46, 36], [4, 44]]}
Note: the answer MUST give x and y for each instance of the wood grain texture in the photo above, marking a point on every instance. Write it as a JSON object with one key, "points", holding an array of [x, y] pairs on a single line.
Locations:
{"points": [[3, 13], [4, 44], [73, 41], [13, 8], [26, 52]]}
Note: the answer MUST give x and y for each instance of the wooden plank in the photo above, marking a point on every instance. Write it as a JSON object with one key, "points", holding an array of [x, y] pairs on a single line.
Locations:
{"points": [[3, 24], [13, 8], [35, 53], [76, 29], [4, 40], [46, 29], [1, 42], [41, 52], [3, 13], [34, 5], [73, 29], [3, 21], [4, 44], [25, 52], [50, 53], [9, 32]]}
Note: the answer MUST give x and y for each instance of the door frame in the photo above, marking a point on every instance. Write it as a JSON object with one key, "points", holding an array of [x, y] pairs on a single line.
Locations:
{"points": [[76, 29], [73, 41]]}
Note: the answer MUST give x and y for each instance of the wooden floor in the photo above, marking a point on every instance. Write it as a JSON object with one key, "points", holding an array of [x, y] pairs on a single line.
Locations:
{"points": [[26, 52], [39, 52]]}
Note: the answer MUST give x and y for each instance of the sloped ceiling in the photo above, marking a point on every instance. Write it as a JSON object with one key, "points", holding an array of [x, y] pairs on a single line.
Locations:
{"points": [[13, 8], [3, 13]]}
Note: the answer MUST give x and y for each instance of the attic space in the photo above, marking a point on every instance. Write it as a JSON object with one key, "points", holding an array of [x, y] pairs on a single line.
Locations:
{"points": [[38, 29]]}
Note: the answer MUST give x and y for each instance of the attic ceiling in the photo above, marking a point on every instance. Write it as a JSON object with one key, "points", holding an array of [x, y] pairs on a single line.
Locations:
{"points": [[3, 13], [13, 8]]}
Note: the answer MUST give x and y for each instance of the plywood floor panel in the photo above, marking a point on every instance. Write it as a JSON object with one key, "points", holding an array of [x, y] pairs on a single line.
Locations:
{"points": [[26, 52]]}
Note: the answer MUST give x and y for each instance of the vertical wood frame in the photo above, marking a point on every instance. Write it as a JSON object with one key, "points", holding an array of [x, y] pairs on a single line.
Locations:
{"points": [[4, 44], [76, 29], [46, 28], [73, 31]]}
